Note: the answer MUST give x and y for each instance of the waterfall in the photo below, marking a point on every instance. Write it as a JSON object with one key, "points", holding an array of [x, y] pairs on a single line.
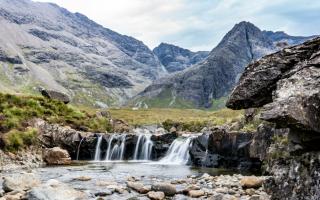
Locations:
{"points": [[143, 147], [115, 150], [98, 150], [78, 150], [178, 152]]}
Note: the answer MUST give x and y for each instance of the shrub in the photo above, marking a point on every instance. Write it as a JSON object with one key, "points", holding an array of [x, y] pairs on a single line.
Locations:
{"points": [[15, 140]]}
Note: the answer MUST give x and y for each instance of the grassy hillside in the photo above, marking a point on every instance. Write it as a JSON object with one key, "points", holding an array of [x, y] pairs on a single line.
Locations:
{"points": [[17, 111], [160, 115]]}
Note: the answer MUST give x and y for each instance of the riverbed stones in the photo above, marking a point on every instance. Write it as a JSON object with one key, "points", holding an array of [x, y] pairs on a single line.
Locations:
{"points": [[55, 190], [251, 182], [20, 182], [196, 193], [156, 195], [56, 156], [139, 187], [167, 188], [82, 178]]}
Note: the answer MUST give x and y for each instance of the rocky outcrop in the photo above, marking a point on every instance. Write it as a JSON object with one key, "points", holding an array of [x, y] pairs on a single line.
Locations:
{"points": [[54, 135], [222, 148], [51, 94], [286, 86], [175, 58], [56, 156]]}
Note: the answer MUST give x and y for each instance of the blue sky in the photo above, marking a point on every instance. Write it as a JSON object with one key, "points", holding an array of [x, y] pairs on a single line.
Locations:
{"points": [[197, 24]]}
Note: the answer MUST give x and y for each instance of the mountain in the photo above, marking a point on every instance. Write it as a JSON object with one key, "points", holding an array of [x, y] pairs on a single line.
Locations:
{"points": [[175, 58], [42, 44], [213, 78], [280, 38]]}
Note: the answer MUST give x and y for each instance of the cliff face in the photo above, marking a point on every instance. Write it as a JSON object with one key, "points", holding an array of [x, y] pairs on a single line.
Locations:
{"points": [[219, 72], [42, 44], [287, 87], [175, 58]]}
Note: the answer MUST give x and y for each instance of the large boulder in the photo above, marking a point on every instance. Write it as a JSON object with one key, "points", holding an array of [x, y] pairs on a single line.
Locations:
{"points": [[286, 84], [56, 156], [52, 94], [55, 190]]}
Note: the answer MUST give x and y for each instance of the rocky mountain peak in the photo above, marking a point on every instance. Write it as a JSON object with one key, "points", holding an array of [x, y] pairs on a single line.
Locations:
{"points": [[175, 58]]}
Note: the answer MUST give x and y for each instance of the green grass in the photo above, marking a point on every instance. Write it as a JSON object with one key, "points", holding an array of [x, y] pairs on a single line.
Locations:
{"points": [[15, 139], [165, 100], [17, 111], [180, 116]]}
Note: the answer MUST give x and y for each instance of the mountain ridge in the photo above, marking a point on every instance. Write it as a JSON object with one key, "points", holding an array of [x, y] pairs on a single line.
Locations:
{"points": [[214, 78]]}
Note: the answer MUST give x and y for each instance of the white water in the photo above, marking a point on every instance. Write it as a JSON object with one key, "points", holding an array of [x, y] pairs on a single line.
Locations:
{"points": [[116, 149], [78, 150], [144, 146], [178, 153], [98, 150]]}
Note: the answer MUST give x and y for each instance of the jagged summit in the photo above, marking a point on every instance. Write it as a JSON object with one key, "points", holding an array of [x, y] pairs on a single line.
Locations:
{"points": [[213, 78], [175, 58]]}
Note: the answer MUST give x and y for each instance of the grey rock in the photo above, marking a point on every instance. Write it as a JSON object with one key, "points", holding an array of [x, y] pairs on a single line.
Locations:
{"points": [[274, 80], [167, 188], [175, 58], [51, 94]]}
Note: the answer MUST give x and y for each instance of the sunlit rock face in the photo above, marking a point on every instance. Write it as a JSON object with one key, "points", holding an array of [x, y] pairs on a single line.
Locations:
{"points": [[287, 87]]}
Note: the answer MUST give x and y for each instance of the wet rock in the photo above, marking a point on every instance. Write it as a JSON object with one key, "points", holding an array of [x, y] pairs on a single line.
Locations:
{"points": [[55, 190], [196, 193], [56, 156], [156, 195], [82, 178], [20, 182], [52, 94], [167, 188], [223, 148], [251, 182], [139, 187]]}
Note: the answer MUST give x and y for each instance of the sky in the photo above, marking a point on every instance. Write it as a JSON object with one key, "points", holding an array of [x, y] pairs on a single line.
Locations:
{"points": [[196, 24]]}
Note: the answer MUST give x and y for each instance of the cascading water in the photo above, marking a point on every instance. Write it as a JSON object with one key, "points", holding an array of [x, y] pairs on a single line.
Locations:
{"points": [[98, 150], [115, 150], [178, 152], [78, 150], [144, 146]]}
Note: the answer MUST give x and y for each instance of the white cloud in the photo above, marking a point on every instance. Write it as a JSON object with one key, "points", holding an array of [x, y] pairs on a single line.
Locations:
{"points": [[196, 24]]}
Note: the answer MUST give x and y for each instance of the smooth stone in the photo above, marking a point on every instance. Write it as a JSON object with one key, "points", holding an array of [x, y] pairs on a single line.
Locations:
{"points": [[196, 193], [251, 182], [139, 187], [167, 188], [156, 195]]}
